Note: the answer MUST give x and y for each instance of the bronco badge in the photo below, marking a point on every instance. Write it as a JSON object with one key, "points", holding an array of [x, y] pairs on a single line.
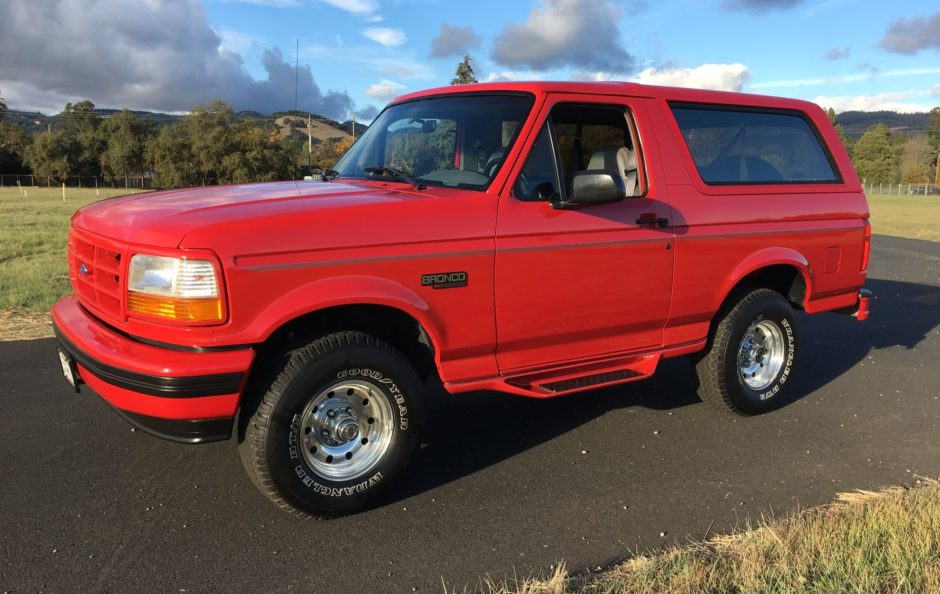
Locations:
{"points": [[444, 280]]}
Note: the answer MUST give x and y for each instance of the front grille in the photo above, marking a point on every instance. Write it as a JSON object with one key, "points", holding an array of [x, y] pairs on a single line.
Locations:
{"points": [[96, 269]]}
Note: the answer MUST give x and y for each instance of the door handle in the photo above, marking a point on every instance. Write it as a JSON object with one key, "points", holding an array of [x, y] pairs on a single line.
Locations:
{"points": [[660, 222]]}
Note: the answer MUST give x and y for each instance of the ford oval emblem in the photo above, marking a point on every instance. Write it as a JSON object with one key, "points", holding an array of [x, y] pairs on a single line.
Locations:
{"points": [[83, 269]]}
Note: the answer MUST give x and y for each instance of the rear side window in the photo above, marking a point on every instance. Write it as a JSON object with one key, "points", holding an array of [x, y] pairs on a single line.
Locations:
{"points": [[736, 146]]}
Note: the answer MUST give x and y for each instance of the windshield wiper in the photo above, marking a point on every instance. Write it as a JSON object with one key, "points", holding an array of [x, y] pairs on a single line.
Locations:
{"points": [[328, 174], [396, 173]]}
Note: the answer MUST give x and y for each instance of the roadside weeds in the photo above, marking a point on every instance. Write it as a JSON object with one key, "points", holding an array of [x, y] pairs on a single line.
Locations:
{"points": [[21, 324], [865, 541]]}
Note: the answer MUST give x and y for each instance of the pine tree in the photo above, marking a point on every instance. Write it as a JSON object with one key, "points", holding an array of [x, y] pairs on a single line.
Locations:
{"points": [[840, 130], [876, 157], [465, 74], [933, 139]]}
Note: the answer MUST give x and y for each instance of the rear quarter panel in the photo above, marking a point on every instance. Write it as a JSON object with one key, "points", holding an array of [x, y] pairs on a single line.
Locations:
{"points": [[723, 233]]}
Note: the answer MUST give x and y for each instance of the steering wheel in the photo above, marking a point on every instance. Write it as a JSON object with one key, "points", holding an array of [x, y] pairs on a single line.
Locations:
{"points": [[496, 157]]}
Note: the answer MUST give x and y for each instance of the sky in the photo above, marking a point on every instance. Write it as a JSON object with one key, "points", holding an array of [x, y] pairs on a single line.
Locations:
{"points": [[357, 55]]}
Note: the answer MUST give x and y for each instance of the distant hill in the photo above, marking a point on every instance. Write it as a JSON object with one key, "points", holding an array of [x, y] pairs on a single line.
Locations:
{"points": [[286, 124], [856, 122]]}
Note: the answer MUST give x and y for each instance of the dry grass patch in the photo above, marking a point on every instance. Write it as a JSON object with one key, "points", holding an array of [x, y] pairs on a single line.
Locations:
{"points": [[885, 541], [18, 324]]}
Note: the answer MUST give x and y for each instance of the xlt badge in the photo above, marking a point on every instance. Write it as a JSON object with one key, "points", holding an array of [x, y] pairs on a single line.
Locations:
{"points": [[444, 280]]}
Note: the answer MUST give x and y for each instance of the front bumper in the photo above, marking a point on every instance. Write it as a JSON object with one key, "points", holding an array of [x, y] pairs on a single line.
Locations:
{"points": [[188, 396]]}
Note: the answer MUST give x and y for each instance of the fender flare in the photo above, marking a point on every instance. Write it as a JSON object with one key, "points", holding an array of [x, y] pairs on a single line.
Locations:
{"points": [[772, 256], [348, 290]]}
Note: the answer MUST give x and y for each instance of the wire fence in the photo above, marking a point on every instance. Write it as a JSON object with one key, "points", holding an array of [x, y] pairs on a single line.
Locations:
{"points": [[88, 181], [901, 189], [146, 183], [76, 181]]}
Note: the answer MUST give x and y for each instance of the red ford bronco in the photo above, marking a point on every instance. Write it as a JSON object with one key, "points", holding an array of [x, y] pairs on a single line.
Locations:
{"points": [[534, 238]]}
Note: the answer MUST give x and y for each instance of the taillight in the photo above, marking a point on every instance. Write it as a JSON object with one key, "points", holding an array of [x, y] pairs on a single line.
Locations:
{"points": [[866, 246]]}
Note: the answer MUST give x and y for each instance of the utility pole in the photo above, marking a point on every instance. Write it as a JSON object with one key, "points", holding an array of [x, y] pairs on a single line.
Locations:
{"points": [[309, 146], [354, 129], [936, 175]]}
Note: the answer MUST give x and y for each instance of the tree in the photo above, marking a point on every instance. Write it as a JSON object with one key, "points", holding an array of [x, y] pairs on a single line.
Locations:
{"points": [[125, 138], [465, 74], [876, 158], [13, 144], [3, 107], [933, 130], [81, 138], [52, 155], [933, 140], [170, 155], [840, 130], [915, 156], [211, 145]]}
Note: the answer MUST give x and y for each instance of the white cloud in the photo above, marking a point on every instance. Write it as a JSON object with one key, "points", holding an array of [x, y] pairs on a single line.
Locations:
{"points": [[238, 42], [385, 90], [361, 8], [844, 78], [718, 77], [386, 36], [579, 33], [386, 62], [271, 3], [454, 41], [514, 75], [172, 67], [879, 102]]}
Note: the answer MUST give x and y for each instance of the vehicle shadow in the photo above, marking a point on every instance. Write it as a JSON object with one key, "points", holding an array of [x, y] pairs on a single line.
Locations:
{"points": [[467, 433]]}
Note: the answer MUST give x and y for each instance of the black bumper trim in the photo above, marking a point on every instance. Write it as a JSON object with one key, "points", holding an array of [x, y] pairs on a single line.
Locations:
{"points": [[166, 387], [193, 431]]}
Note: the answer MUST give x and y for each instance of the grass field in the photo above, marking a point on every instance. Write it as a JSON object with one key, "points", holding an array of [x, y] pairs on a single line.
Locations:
{"points": [[887, 541], [35, 227], [33, 237], [917, 217]]}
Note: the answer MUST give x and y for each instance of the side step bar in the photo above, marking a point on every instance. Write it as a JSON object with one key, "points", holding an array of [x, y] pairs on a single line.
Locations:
{"points": [[557, 382]]}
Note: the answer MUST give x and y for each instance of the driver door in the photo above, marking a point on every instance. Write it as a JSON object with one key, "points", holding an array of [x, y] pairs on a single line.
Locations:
{"points": [[590, 282]]}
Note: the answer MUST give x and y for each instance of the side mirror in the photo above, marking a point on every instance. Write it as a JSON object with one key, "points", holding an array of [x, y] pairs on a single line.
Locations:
{"points": [[591, 188]]}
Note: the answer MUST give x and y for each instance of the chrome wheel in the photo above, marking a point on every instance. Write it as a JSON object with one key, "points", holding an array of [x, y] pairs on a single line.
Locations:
{"points": [[761, 354], [346, 429]]}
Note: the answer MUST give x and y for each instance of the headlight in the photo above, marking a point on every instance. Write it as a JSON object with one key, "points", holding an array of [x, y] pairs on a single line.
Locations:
{"points": [[176, 289]]}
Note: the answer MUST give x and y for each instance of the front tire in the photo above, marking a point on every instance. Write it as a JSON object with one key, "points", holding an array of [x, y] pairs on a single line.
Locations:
{"points": [[335, 427], [748, 364]]}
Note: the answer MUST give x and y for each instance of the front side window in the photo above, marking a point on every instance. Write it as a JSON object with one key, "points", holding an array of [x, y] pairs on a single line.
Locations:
{"points": [[734, 146], [577, 138], [455, 141]]}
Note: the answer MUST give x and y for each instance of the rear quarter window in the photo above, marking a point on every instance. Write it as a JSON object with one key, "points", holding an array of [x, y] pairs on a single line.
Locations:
{"points": [[738, 146]]}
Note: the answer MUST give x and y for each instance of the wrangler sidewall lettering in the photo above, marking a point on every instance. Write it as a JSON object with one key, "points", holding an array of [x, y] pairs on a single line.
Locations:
{"points": [[388, 376]]}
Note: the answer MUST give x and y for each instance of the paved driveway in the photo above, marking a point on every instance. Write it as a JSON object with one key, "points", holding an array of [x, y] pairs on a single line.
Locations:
{"points": [[502, 485]]}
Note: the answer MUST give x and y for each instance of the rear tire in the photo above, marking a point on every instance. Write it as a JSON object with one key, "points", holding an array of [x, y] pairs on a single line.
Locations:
{"points": [[748, 364], [335, 427]]}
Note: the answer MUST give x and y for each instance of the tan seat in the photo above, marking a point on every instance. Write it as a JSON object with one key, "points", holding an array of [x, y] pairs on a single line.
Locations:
{"points": [[617, 159]]}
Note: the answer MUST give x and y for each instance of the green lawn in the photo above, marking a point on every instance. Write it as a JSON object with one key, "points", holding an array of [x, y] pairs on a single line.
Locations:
{"points": [[35, 227], [33, 243], [917, 217]]}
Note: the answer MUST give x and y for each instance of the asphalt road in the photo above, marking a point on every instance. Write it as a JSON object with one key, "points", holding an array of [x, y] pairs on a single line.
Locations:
{"points": [[502, 485]]}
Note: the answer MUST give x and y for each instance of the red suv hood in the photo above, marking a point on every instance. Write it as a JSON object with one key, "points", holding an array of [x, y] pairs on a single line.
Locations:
{"points": [[165, 218]]}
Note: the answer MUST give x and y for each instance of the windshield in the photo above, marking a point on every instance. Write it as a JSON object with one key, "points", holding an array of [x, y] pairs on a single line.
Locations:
{"points": [[455, 141]]}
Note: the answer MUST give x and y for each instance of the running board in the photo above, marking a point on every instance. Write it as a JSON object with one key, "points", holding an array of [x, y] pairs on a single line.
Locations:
{"points": [[575, 378]]}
